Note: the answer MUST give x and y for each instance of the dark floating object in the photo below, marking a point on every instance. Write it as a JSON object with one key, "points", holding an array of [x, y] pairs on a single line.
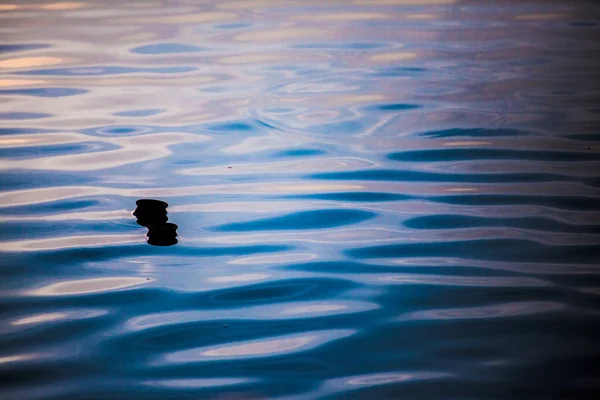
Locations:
{"points": [[162, 229], [149, 205], [147, 219], [153, 215], [150, 211]]}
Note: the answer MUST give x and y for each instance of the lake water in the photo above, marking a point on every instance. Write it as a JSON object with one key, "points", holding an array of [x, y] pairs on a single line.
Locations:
{"points": [[375, 199]]}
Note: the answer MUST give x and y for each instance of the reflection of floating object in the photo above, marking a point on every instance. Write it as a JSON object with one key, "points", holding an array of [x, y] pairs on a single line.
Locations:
{"points": [[162, 234], [162, 241], [153, 215], [165, 229]]}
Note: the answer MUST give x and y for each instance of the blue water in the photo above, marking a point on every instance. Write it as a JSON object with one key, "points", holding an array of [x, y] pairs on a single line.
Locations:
{"points": [[374, 199]]}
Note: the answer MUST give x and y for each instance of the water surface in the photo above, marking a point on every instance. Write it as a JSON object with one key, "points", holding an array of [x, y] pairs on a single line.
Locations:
{"points": [[375, 199]]}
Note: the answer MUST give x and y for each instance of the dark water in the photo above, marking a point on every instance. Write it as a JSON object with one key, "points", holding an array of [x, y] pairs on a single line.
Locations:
{"points": [[385, 199]]}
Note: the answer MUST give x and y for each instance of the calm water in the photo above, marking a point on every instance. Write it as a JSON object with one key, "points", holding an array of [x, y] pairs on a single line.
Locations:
{"points": [[376, 199]]}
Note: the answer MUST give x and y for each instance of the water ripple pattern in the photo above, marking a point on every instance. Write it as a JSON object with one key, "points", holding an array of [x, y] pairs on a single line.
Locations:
{"points": [[375, 199]]}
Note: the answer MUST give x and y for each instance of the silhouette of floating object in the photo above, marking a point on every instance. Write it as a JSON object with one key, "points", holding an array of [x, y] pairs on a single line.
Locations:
{"points": [[148, 219], [150, 211], [153, 215], [164, 234], [151, 204], [167, 228], [162, 241]]}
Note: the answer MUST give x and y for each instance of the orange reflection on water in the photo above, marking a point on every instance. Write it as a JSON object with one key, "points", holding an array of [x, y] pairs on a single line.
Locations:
{"points": [[395, 56], [20, 82], [10, 142], [185, 18], [132, 149], [39, 139], [18, 357], [25, 62], [62, 6]]}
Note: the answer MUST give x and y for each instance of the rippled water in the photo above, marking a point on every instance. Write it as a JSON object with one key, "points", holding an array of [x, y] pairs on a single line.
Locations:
{"points": [[376, 199]]}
